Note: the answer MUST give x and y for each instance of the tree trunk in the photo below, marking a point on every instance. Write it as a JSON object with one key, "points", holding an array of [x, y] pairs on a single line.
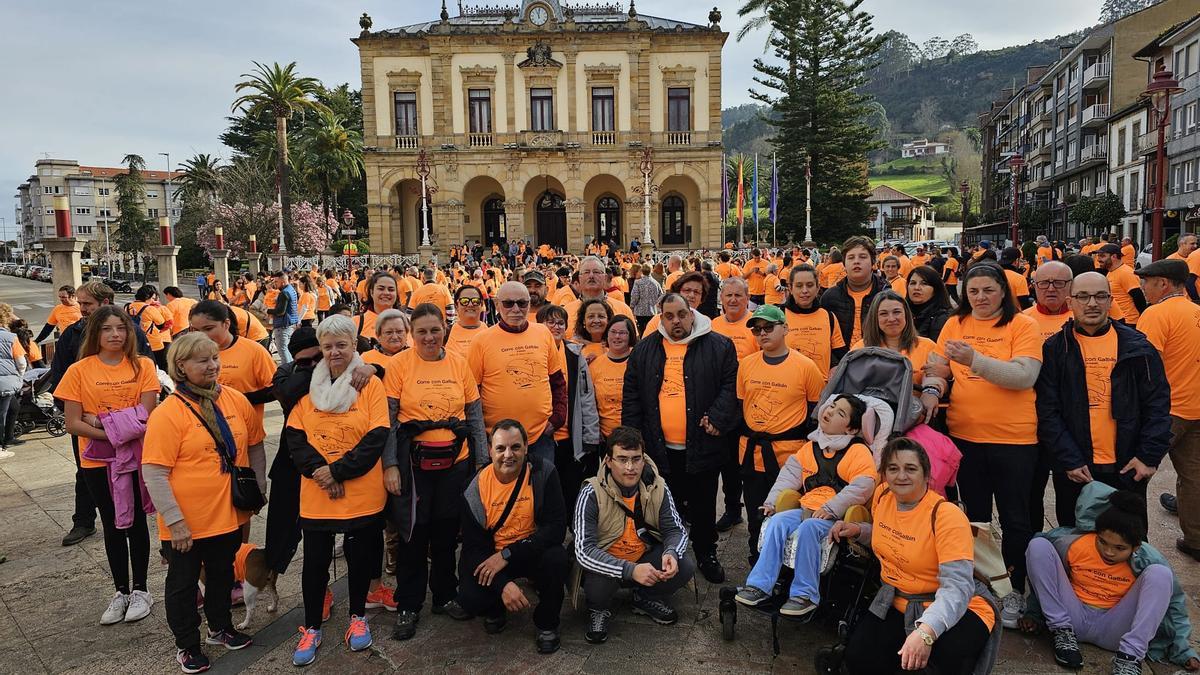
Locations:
{"points": [[285, 190], [325, 208]]}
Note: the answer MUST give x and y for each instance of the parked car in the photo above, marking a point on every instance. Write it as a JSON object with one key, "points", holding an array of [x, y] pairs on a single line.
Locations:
{"points": [[1144, 257]]}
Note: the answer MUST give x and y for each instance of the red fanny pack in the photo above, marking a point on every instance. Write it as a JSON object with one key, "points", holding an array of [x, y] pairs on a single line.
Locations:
{"points": [[434, 455]]}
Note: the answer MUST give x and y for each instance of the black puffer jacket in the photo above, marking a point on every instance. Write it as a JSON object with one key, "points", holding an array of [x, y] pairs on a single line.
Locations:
{"points": [[929, 318], [838, 301], [710, 388]]}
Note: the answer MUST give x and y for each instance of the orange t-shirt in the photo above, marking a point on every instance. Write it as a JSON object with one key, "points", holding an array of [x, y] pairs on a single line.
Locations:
{"points": [[772, 295], [308, 306], [179, 308], [494, 495], [856, 463], [1173, 327], [1128, 255], [724, 270], [461, 338], [248, 325], [176, 439], [513, 371], [150, 317], [629, 546], [617, 306], [375, 357], [1099, 357], [608, 378], [743, 339], [815, 334], [247, 367], [672, 401], [1016, 283], [831, 274], [1047, 324], [756, 280], [983, 412], [433, 293], [271, 297], [858, 297], [1121, 281], [364, 323], [333, 435], [952, 265], [671, 279], [431, 391], [239, 561], [900, 286], [908, 559], [64, 315], [776, 398], [1095, 582], [99, 388]]}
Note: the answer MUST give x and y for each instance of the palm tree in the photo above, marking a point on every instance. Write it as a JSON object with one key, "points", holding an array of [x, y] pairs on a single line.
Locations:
{"points": [[333, 156], [281, 91], [201, 176]]}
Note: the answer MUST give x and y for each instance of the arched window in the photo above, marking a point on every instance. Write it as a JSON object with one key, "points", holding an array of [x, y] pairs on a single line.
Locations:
{"points": [[674, 231], [608, 220]]}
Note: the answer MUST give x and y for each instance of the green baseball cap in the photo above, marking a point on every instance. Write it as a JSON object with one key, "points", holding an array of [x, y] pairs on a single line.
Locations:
{"points": [[769, 313]]}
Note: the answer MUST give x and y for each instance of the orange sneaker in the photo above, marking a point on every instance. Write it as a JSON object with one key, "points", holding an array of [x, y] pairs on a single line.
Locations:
{"points": [[381, 597], [328, 605]]}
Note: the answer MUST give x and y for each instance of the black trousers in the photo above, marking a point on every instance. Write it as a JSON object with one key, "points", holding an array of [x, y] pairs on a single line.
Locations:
{"points": [[1005, 473], [283, 518], [85, 508], [755, 487], [1066, 491], [599, 589], [215, 556], [428, 556], [548, 574], [698, 491], [874, 644], [1037, 492], [731, 482], [758, 299], [573, 472], [362, 548], [125, 549], [160, 359], [641, 323]]}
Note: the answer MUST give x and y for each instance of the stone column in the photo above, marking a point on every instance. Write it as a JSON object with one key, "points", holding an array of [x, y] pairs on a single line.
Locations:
{"points": [[220, 258], [274, 262], [575, 229], [255, 263], [65, 256], [514, 219], [168, 273]]}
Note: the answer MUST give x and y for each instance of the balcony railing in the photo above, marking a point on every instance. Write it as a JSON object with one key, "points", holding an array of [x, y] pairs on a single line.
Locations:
{"points": [[479, 140], [1096, 151], [679, 138], [1095, 114], [1096, 74], [1147, 143], [406, 142], [604, 138]]}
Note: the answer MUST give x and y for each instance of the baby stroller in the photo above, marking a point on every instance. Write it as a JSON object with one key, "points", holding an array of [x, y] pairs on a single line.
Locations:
{"points": [[37, 409], [884, 379]]}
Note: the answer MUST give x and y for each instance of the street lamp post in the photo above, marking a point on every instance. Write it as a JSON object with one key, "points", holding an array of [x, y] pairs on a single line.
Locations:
{"points": [[423, 174], [1162, 85], [964, 189], [646, 190], [1015, 164], [348, 222]]}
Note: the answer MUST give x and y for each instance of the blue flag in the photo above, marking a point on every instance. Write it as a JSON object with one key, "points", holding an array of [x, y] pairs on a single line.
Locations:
{"points": [[754, 196]]}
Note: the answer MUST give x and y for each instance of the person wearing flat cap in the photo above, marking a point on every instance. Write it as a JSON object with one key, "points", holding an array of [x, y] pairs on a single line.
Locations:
{"points": [[1126, 292]]}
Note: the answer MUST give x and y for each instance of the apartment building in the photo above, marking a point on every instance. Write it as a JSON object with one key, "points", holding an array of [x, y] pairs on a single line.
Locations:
{"points": [[93, 197], [534, 119], [1127, 166], [1179, 51]]}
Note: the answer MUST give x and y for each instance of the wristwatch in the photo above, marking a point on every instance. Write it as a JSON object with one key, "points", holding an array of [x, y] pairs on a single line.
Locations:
{"points": [[505, 554], [926, 637]]}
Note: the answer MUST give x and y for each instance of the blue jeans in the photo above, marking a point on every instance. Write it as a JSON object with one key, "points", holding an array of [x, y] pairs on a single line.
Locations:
{"points": [[811, 531], [544, 447], [282, 336]]}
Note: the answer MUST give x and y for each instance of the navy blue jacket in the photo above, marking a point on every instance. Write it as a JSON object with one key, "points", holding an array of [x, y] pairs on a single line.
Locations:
{"points": [[1140, 396]]}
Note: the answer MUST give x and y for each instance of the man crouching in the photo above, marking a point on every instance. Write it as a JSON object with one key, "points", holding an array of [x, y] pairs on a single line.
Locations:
{"points": [[628, 533]]}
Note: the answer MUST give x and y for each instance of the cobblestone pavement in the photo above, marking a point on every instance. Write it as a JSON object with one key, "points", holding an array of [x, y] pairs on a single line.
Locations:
{"points": [[51, 598]]}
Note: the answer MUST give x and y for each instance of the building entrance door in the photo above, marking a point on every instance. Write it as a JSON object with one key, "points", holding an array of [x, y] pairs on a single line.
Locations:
{"points": [[552, 220]]}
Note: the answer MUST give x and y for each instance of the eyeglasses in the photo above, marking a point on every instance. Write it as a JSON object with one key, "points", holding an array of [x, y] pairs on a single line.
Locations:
{"points": [[1056, 283], [628, 461], [470, 302], [509, 304], [1087, 298], [555, 322], [398, 332], [759, 329]]}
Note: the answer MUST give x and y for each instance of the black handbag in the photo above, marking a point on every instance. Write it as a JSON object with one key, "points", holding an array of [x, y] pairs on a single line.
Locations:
{"points": [[243, 482]]}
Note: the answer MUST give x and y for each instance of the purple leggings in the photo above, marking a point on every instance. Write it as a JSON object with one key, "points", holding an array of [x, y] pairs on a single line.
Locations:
{"points": [[1127, 627]]}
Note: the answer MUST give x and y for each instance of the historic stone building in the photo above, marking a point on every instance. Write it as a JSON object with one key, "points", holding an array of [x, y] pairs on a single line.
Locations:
{"points": [[534, 122]]}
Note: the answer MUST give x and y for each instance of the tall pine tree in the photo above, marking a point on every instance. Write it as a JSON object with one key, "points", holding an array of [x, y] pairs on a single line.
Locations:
{"points": [[135, 227], [824, 51]]}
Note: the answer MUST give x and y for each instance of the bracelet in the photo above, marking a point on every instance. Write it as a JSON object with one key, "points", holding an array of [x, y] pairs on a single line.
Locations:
{"points": [[932, 390]]}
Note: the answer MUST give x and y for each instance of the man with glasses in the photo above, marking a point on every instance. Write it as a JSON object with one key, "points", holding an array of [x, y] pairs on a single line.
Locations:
{"points": [[520, 375], [1103, 402], [629, 533], [593, 285]]}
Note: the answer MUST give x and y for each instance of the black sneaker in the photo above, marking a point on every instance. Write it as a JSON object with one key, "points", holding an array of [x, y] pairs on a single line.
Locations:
{"points": [[1066, 648], [655, 608], [1124, 664], [78, 534], [1169, 502], [453, 610], [406, 625], [192, 660], [495, 624], [229, 638], [729, 520], [711, 568], [547, 641], [13, 442], [597, 632]]}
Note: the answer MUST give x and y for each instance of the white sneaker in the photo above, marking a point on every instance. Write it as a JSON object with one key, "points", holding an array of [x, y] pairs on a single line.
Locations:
{"points": [[1012, 606], [140, 603], [6, 454], [116, 610]]}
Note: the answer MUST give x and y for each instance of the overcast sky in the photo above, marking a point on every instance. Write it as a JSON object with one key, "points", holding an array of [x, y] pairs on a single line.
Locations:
{"points": [[96, 80]]}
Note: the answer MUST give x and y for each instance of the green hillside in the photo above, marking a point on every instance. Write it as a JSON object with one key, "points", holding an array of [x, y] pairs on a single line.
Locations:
{"points": [[926, 186]]}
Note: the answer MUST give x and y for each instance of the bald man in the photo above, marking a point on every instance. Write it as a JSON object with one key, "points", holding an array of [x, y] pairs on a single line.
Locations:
{"points": [[519, 373], [1082, 365]]}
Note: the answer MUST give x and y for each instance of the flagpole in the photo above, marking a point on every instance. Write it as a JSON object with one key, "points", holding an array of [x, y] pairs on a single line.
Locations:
{"points": [[754, 205], [774, 193], [808, 199], [741, 198]]}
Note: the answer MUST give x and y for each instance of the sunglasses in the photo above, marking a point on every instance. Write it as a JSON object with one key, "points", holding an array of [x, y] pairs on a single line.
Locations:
{"points": [[470, 302], [509, 304], [760, 328]]}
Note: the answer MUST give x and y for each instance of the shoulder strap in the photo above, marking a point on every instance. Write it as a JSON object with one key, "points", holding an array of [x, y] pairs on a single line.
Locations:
{"points": [[512, 500], [220, 444], [933, 515]]}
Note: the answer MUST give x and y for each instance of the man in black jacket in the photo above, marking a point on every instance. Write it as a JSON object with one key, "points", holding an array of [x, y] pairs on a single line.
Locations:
{"points": [[1103, 401], [680, 391], [851, 297], [513, 526], [91, 296]]}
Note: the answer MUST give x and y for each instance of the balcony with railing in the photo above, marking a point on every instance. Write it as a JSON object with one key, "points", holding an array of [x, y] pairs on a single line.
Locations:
{"points": [[679, 138], [1095, 114], [407, 142], [1147, 143], [479, 140], [604, 138], [1096, 152], [1096, 75]]}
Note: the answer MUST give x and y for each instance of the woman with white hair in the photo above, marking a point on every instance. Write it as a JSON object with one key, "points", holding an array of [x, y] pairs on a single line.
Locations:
{"points": [[391, 337], [336, 436]]}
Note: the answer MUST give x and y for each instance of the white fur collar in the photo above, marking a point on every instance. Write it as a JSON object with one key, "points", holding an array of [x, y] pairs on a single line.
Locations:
{"points": [[337, 396]]}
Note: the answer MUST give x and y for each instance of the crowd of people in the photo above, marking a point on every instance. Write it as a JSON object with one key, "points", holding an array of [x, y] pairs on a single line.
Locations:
{"points": [[456, 429]]}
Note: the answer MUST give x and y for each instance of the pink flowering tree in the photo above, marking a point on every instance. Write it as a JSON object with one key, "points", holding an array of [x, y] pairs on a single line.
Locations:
{"points": [[239, 220], [310, 234]]}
